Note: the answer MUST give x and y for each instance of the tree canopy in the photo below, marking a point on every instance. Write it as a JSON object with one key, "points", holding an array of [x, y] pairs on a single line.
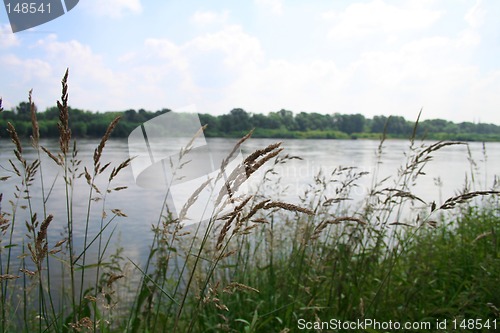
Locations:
{"points": [[277, 124]]}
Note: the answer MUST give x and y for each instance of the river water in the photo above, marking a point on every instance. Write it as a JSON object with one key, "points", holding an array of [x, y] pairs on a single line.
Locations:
{"points": [[450, 167]]}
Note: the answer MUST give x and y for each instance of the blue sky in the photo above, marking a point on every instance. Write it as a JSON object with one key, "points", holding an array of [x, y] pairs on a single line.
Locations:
{"points": [[370, 57]]}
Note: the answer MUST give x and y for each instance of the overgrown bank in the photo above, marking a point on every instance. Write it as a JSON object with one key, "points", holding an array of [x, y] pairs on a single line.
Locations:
{"points": [[236, 123], [264, 266]]}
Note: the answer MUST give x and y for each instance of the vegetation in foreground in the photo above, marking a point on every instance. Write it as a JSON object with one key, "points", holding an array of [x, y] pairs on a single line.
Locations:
{"points": [[238, 122], [267, 266]]}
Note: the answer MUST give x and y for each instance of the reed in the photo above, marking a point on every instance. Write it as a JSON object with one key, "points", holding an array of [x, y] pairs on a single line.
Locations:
{"points": [[51, 314], [257, 263]]}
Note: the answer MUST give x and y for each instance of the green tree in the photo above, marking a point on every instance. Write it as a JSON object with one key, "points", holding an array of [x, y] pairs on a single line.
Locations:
{"points": [[378, 124], [23, 111], [237, 120], [266, 122], [287, 120], [212, 123], [131, 116], [79, 129], [51, 113], [350, 123], [398, 125], [303, 121]]}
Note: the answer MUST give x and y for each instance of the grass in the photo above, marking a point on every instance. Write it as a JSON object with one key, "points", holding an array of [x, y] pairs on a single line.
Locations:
{"points": [[264, 266]]}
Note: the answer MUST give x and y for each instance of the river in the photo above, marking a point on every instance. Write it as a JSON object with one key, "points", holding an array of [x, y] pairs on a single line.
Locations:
{"points": [[450, 167]]}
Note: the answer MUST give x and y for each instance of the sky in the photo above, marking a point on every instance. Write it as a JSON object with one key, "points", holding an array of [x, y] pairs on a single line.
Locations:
{"points": [[376, 57]]}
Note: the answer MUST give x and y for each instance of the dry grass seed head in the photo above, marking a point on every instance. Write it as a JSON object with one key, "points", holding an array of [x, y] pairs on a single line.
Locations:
{"points": [[241, 173], [251, 162], [192, 199], [189, 145], [118, 212], [15, 169], [261, 152], [100, 147], [59, 161], [83, 324], [432, 223], [322, 226], [225, 229], [27, 272], [402, 194], [231, 184], [288, 206], [41, 247], [248, 229], [235, 214], [463, 198], [8, 277], [113, 278], [424, 155], [251, 168], [122, 166], [236, 209], [483, 235], [4, 224], [225, 162], [88, 177], [42, 235], [63, 124], [402, 224], [35, 129], [101, 170], [256, 208], [15, 139], [234, 286], [227, 254]]}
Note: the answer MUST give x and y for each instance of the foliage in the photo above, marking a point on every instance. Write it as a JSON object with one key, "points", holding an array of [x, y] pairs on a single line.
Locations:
{"points": [[266, 266], [280, 124]]}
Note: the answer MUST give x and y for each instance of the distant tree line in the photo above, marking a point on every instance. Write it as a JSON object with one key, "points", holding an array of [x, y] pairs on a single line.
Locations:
{"points": [[279, 124]]}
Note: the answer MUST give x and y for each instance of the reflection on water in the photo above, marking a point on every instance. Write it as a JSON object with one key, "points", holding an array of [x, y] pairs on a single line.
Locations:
{"points": [[450, 166]]}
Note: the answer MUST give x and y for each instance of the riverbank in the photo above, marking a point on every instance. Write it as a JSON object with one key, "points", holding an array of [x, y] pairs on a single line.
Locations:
{"points": [[265, 266], [337, 135], [255, 262], [238, 122]]}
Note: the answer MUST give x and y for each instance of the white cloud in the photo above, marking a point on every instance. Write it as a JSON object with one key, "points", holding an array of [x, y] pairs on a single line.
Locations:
{"points": [[167, 50], [112, 8], [475, 15], [434, 72], [276, 84], [237, 47], [7, 37], [20, 75], [199, 69], [209, 17], [271, 6], [26, 69], [234, 66], [480, 98], [375, 17], [92, 84]]}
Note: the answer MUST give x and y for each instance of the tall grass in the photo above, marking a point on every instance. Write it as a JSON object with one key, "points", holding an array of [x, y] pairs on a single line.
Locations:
{"points": [[258, 267], [73, 306]]}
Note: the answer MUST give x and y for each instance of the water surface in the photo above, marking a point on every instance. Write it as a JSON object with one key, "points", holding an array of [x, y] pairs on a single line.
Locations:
{"points": [[451, 167]]}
